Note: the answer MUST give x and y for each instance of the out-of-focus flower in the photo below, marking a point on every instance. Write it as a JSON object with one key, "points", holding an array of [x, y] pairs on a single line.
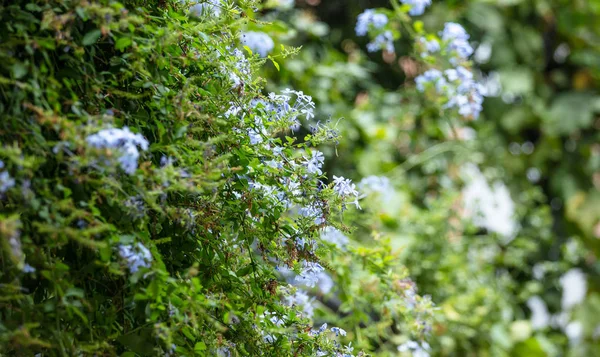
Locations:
{"points": [[369, 19], [379, 184], [258, 42], [334, 236], [124, 141], [417, 7], [136, 256], [301, 300], [540, 317], [416, 349], [312, 212], [205, 7], [574, 286], [383, 41], [309, 274], [457, 41], [490, 207]]}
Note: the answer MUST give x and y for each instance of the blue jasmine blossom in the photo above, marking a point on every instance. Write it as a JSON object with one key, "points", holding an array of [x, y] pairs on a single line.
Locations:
{"points": [[338, 331], [258, 42], [315, 162], [383, 41], [309, 275], [136, 256], [457, 40], [206, 7], [6, 182], [417, 6], [334, 236], [369, 18], [124, 141]]}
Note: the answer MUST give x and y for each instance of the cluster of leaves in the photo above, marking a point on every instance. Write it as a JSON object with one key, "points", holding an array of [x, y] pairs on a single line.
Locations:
{"points": [[154, 200]]}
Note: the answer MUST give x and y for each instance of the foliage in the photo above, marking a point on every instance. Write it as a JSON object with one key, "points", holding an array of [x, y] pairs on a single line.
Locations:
{"points": [[536, 137], [155, 199]]}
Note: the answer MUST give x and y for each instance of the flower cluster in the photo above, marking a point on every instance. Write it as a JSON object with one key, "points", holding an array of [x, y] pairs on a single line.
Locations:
{"points": [[314, 163], [429, 46], [300, 299], [345, 188], [6, 182], [280, 106], [456, 40], [416, 349], [369, 19], [456, 84], [417, 7], [379, 184], [490, 207], [282, 109], [313, 212], [205, 7], [258, 42], [310, 274], [334, 236], [136, 256], [383, 41], [124, 141], [242, 72]]}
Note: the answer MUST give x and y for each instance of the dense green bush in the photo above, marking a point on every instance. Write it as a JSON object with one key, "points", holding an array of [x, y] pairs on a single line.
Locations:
{"points": [[155, 199]]}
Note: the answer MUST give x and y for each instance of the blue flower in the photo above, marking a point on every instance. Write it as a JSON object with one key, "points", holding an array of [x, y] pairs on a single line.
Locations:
{"points": [[457, 40], [369, 18], [136, 257], [302, 300], [382, 41], [315, 162], [458, 85], [431, 76], [380, 184], [431, 46], [258, 42], [6, 182], [417, 7], [338, 331], [314, 213], [334, 236], [206, 7], [124, 141], [345, 188], [310, 273], [28, 268]]}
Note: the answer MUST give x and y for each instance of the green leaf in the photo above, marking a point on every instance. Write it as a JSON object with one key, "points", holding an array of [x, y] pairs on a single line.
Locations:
{"points": [[274, 63], [123, 43], [19, 70], [91, 37], [200, 346]]}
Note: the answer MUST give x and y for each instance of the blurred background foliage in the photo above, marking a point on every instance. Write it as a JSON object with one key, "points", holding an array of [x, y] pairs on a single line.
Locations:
{"points": [[539, 133]]}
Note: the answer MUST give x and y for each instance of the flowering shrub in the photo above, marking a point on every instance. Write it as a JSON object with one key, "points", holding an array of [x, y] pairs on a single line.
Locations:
{"points": [[157, 200]]}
